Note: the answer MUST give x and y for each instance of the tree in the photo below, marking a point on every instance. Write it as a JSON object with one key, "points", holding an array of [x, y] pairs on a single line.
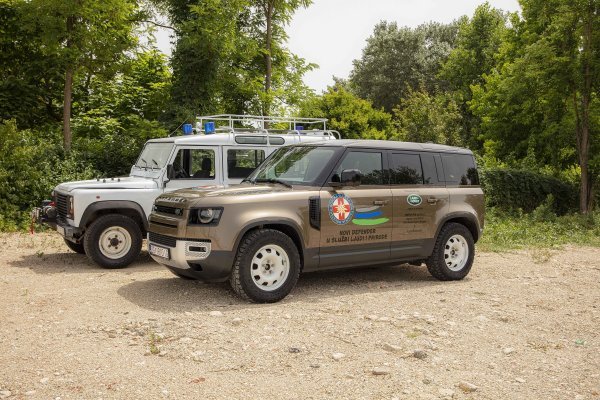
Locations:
{"points": [[477, 43], [353, 117], [421, 118], [542, 97], [398, 59], [90, 35]]}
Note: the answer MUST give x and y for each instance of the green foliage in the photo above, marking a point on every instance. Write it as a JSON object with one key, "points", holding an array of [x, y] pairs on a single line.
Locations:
{"points": [[509, 190], [36, 165], [398, 59], [353, 117], [505, 231], [421, 117]]}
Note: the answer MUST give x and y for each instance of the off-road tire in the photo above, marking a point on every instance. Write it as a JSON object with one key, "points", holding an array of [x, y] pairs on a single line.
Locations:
{"points": [[241, 277], [92, 236], [436, 263], [76, 247]]}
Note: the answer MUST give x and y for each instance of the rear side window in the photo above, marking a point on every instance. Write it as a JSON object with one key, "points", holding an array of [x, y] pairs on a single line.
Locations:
{"points": [[240, 163], [406, 169], [460, 169]]}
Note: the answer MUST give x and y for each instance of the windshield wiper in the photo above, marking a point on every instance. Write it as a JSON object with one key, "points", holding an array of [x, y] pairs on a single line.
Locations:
{"points": [[155, 163], [273, 180], [145, 162]]}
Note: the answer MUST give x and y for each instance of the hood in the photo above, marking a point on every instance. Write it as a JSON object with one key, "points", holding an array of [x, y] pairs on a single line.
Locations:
{"points": [[245, 189], [129, 182]]}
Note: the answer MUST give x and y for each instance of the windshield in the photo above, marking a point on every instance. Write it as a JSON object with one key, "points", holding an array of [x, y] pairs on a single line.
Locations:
{"points": [[154, 155], [300, 165]]}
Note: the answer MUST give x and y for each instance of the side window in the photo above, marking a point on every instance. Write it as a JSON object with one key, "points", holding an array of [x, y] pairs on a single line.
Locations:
{"points": [[240, 163], [460, 169], [406, 169], [368, 163], [194, 164], [430, 175]]}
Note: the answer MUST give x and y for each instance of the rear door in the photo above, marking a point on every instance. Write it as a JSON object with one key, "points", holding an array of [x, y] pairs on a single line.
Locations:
{"points": [[240, 161], [420, 199], [356, 222]]}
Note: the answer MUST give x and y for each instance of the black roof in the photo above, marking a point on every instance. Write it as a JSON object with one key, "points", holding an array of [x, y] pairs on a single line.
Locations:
{"points": [[391, 145]]}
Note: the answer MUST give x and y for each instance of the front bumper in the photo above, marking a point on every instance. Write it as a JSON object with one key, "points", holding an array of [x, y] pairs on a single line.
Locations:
{"points": [[47, 215], [195, 259]]}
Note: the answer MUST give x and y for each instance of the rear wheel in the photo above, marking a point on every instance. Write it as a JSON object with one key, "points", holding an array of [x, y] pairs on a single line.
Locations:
{"points": [[453, 253], [76, 247], [266, 266], [113, 241]]}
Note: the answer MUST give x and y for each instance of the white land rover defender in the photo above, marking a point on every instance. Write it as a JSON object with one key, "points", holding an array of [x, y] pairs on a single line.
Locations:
{"points": [[107, 218]]}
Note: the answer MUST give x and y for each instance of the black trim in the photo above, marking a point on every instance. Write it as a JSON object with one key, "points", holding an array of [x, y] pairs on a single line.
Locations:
{"points": [[113, 205], [215, 268], [471, 217], [314, 212]]}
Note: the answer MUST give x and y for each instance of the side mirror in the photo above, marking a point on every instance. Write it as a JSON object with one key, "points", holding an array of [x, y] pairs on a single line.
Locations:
{"points": [[350, 177], [170, 172]]}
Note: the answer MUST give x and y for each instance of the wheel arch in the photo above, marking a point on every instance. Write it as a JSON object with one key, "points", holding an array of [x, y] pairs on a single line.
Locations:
{"points": [[467, 219], [122, 207], [288, 227]]}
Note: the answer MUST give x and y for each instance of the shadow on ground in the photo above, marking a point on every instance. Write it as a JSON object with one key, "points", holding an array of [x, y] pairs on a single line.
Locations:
{"points": [[179, 295], [69, 262]]}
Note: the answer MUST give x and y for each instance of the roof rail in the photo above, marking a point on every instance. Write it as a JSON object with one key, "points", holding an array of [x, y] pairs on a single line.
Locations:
{"points": [[234, 123]]}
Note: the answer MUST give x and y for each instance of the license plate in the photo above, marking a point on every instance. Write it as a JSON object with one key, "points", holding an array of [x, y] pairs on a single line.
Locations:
{"points": [[60, 230], [158, 251]]}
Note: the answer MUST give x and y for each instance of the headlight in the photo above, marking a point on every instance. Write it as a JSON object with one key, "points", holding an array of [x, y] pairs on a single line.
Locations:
{"points": [[70, 208], [206, 215]]}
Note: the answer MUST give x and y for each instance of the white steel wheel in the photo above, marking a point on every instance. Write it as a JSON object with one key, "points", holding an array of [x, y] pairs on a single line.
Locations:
{"points": [[114, 242], [270, 267], [456, 252]]}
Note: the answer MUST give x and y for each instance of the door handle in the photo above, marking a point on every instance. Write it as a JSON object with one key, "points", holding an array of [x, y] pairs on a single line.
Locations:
{"points": [[380, 202], [432, 200]]}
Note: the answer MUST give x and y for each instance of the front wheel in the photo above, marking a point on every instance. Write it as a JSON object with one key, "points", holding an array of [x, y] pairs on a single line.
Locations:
{"points": [[453, 253], [113, 241], [266, 266], [76, 247]]}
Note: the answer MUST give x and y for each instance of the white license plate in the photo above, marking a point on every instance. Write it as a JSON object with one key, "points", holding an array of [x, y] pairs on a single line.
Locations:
{"points": [[158, 251], [60, 230]]}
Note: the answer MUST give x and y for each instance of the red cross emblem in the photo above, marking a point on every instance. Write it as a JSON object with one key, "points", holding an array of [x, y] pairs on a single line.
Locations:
{"points": [[341, 209]]}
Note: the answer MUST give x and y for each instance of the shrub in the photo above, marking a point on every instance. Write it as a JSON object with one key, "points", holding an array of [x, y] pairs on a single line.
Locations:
{"points": [[509, 190]]}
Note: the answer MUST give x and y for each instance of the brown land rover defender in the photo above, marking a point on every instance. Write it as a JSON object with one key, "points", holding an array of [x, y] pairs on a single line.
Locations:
{"points": [[311, 207]]}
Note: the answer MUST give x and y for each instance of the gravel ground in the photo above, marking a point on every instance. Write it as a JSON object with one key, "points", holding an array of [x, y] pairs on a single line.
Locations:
{"points": [[523, 325]]}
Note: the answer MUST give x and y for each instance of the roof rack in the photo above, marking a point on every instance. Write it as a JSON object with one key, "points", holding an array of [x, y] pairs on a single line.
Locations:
{"points": [[236, 122]]}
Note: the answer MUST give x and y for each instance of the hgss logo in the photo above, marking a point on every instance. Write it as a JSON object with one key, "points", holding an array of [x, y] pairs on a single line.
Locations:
{"points": [[341, 209]]}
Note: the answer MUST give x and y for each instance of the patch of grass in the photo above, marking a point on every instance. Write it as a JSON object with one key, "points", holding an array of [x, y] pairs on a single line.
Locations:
{"points": [[153, 340], [508, 231]]}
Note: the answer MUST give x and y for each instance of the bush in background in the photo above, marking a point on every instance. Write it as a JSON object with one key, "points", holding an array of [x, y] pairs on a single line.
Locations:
{"points": [[508, 189]]}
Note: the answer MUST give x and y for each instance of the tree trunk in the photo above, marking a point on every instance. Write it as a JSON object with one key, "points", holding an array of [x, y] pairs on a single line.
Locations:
{"points": [[268, 58], [67, 109], [583, 131]]}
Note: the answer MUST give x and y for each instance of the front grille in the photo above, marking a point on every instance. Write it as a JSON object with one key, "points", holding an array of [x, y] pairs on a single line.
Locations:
{"points": [[168, 210], [157, 238], [62, 205]]}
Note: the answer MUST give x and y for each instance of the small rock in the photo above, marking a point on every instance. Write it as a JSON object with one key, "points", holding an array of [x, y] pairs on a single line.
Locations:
{"points": [[392, 347], [165, 393], [215, 314], [43, 381], [372, 317], [446, 393], [294, 350], [236, 321], [287, 316], [380, 371], [5, 393], [467, 387], [420, 354], [315, 366], [427, 381], [162, 353], [384, 319], [188, 314], [338, 356], [186, 340], [482, 318], [508, 350], [520, 380], [30, 393]]}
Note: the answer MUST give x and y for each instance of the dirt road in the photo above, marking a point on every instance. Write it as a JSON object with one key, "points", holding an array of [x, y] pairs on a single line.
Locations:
{"points": [[523, 325]]}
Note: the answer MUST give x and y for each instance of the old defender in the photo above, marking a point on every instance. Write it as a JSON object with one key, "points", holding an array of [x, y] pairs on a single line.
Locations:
{"points": [[317, 206]]}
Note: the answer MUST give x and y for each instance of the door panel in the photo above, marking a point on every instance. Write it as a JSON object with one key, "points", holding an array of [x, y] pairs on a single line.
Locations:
{"points": [[356, 226]]}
